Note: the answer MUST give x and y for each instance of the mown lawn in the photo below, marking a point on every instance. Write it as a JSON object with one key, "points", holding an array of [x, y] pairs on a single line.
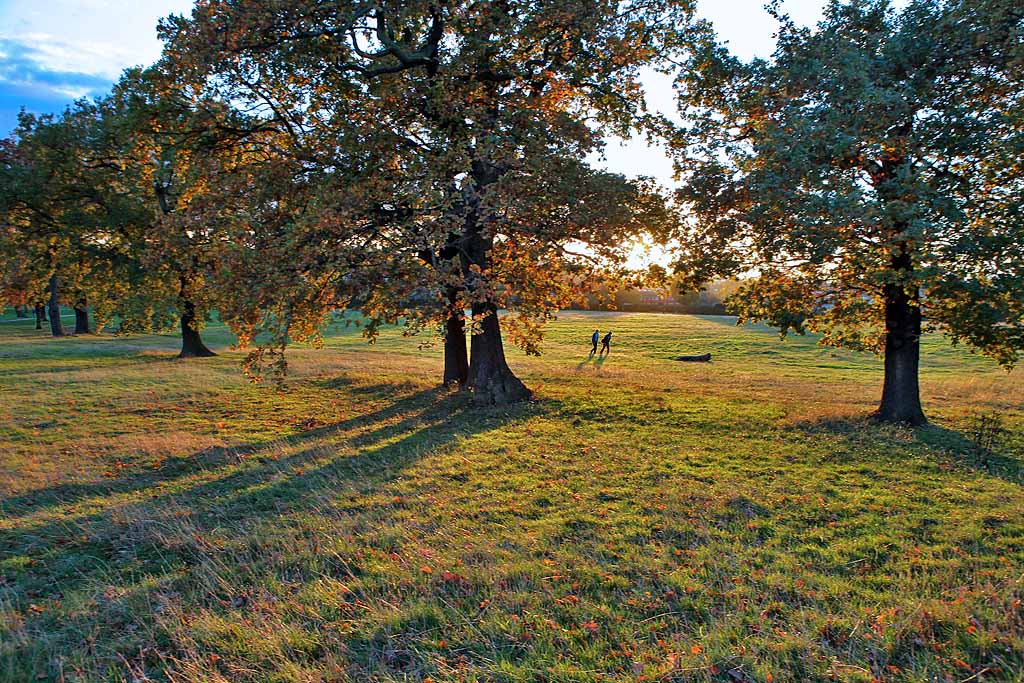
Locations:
{"points": [[642, 520]]}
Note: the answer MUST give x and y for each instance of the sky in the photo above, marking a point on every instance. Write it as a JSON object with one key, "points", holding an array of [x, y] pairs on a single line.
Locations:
{"points": [[54, 51]]}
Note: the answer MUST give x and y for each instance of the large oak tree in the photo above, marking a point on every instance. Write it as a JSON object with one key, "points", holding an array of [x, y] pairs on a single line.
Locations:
{"points": [[453, 136], [870, 176]]}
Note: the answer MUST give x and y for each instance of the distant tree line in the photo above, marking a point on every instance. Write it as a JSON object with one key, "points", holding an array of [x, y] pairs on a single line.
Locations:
{"points": [[664, 297]]}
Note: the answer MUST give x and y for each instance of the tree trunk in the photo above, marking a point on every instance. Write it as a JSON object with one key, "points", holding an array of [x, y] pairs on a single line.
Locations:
{"points": [[901, 394], [40, 316], [490, 378], [456, 360], [191, 342], [82, 317], [20, 311], [56, 328]]}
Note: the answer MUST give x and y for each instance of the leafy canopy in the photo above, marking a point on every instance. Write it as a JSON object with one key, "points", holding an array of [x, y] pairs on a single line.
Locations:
{"points": [[440, 147], [884, 147]]}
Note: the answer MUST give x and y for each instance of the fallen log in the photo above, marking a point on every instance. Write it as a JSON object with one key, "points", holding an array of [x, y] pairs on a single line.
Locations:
{"points": [[706, 358]]}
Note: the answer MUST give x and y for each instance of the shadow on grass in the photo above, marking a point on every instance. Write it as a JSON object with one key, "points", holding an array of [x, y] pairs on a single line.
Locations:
{"points": [[938, 439], [107, 359], [587, 361], [966, 453], [431, 418], [178, 467], [244, 487]]}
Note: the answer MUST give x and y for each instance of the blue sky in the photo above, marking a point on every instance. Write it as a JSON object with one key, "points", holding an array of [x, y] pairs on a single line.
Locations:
{"points": [[54, 51]]}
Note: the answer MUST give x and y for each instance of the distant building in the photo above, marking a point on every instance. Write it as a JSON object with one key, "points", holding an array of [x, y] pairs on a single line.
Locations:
{"points": [[656, 297]]}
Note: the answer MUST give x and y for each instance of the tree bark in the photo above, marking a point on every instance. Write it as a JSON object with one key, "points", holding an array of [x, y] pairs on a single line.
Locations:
{"points": [[20, 311], [901, 393], [56, 328], [191, 342], [82, 317], [40, 316], [490, 378], [456, 358]]}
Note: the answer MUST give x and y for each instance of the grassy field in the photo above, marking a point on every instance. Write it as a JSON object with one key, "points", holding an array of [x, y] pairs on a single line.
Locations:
{"points": [[641, 520]]}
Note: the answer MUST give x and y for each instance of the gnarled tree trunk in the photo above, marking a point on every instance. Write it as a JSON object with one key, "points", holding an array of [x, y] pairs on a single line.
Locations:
{"points": [[82, 317], [901, 394], [490, 378], [56, 328], [192, 345]]}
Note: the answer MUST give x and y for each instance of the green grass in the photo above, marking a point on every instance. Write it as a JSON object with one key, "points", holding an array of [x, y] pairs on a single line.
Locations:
{"points": [[641, 520], [7, 315]]}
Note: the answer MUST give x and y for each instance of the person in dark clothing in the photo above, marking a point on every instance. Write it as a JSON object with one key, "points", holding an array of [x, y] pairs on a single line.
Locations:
{"points": [[606, 343], [593, 340]]}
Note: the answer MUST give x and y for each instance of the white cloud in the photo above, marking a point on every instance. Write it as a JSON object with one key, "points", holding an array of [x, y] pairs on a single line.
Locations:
{"points": [[90, 56]]}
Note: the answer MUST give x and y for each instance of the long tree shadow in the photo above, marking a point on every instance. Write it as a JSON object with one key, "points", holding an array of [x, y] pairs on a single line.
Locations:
{"points": [[147, 544], [937, 439], [104, 361], [176, 467], [249, 482]]}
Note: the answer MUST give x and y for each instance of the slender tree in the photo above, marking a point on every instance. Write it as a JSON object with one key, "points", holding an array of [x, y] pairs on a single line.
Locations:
{"points": [[870, 177]]}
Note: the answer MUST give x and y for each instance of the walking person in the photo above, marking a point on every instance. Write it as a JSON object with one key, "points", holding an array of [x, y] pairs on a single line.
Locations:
{"points": [[606, 343], [593, 340]]}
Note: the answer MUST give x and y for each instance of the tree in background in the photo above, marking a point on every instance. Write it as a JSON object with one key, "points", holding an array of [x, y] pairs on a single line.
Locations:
{"points": [[454, 137], [170, 154], [15, 279], [98, 204], [872, 176], [28, 269], [60, 224]]}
